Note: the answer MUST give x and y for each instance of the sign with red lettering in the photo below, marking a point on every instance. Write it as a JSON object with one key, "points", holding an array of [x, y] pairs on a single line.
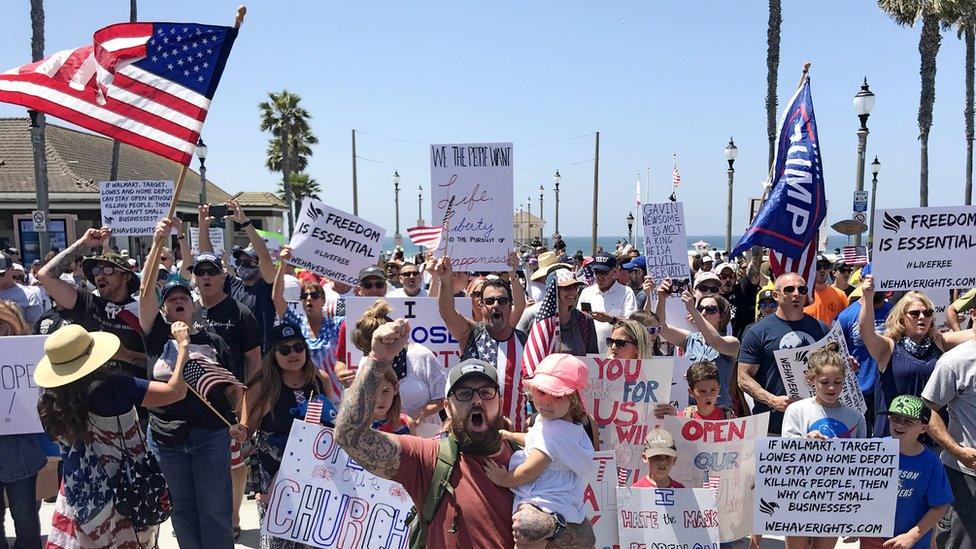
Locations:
{"points": [[621, 396], [600, 499], [666, 517], [720, 454]]}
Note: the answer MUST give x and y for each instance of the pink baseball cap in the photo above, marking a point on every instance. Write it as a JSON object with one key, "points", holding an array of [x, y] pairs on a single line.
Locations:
{"points": [[559, 374]]}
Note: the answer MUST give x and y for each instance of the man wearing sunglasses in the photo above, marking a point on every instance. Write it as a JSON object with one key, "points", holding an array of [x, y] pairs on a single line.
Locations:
{"points": [[411, 282], [789, 327], [842, 277], [606, 300], [372, 282], [828, 301]]}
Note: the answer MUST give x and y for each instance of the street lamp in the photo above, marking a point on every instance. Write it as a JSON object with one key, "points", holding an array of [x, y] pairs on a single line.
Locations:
{"points": [[555, 179], [420, 205], [730, 153], [542, 216], [875, 168], [630, 227], [863, 104], [201, 152], [397, 239]]}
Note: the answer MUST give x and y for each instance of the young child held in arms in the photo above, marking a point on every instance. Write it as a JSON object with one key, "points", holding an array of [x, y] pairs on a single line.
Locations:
{"points": [[703, 386], [660, 454], [549, 474], [923, 487]]}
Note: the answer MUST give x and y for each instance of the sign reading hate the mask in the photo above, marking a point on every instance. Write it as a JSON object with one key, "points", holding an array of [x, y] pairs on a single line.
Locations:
{"points": [[665, 245], [665, 517], [334, 243], [132, 208], [472, 188], [18, 392]]}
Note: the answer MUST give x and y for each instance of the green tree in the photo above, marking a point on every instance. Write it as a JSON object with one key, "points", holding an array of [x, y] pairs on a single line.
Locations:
{"points": [[962, 14], [287, 121], [302, 186], [300, 149]]}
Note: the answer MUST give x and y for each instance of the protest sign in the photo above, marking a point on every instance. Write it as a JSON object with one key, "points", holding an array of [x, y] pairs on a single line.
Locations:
{"points": [[720, 454], [600, 499], [826, 488], [334, 243], [924, 248], [471, 186], [132, 208], [666, 517], [216, 239], [679, 383], [274, 241], [322, 498], [621, 396], [792, 364], [665, 244], [18, 393]]}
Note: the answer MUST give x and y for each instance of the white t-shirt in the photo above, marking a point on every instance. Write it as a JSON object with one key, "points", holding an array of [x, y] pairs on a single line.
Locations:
{"points": [[560, 488], [400, 292], [953, 384], [807, 415], [618, 301]]}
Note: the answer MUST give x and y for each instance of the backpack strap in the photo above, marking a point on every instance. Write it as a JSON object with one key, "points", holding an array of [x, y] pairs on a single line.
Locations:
{"points": [[440, 482]]}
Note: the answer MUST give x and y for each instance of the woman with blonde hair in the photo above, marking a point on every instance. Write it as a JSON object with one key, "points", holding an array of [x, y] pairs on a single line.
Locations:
{"points": [[629, 340]]}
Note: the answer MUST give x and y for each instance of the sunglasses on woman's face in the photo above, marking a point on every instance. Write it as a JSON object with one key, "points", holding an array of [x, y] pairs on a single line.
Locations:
{"points": [[708, 309], [313, 295], [210, 270], [489, 301], [707, 289], [297, 347], [654, 330], [927, 313], [619, 343], [802, 290]]}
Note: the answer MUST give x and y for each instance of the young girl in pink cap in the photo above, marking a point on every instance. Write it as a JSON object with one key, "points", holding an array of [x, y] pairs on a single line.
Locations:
{"points": [[549, 474]]}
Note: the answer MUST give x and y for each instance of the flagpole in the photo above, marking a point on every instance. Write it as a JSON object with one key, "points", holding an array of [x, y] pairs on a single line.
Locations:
{"points": [[205, 401]]}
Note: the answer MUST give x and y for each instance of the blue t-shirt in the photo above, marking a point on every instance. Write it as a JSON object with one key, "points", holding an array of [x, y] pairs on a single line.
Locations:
{"points": [[867, 374], [922, 484]]}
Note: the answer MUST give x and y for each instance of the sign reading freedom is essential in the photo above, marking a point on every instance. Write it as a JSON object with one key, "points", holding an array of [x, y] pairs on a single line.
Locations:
{"points": [[471, 185], [721, 452], [665, 517], [334, 243], [18, 393], [665, 245], [600, 499], [621, 396], [792, 364], [132, 208], [924, 248], [321, 497], [826, 488]]}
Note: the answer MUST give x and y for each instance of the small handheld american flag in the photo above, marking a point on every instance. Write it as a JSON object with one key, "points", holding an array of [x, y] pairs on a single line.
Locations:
{"points": [[426, 237], [313, 412], [203, 375], [854, 256]]}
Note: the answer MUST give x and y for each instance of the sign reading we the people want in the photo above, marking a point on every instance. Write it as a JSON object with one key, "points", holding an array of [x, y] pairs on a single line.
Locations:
{"points": [[667, 517], [18, 392], [826, 488], [334, 243], [472, 186], [792, 364], [322, 498], [924, 248], [665, 244], [132, 208]]}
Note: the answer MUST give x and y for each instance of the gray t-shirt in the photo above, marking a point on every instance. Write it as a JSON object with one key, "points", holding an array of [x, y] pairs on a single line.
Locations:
{"points": [[28, 298], [953, 384], [808, 415]]}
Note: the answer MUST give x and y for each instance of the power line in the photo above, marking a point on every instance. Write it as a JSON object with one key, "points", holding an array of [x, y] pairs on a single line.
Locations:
{"points": [[427, 143]]}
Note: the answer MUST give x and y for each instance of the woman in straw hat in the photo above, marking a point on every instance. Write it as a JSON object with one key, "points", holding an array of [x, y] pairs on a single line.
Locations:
{"points": [[92, 411]]}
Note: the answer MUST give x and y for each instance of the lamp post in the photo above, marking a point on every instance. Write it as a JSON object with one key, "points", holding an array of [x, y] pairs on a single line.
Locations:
{"points": [[528, 232], [630, 227], [201, 152], [875, 168], [555, 179], [863, 104], [730, 153], [542, 216], [397, 239], [420, 205]]}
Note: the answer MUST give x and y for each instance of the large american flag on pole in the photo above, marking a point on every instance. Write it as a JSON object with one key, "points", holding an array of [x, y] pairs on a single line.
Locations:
{"points": [[146, 84], [545, 329]]}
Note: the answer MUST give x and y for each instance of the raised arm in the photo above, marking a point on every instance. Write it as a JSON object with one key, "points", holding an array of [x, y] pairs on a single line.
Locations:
{"points": [[203, 221], [260, 248], [456, 324], [378, 453], [648, 287], [518, 292], [65, 293], [278, 290], [727, 345], [148, 302], [674, 336], [949, 340], [879, 346], [174, 390]]}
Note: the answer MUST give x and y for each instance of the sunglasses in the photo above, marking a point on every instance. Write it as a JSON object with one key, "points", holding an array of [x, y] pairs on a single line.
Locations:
{"points": [[489, 301], [297, 347], [727, 276], [802, 290], [207, 271], [464, 394], [619, 343], [845, 270], [653, 330], [313, 295], [927, 313], [370, 285], [409, 273], [107, 271], [708, 309], [767, 304], [245, 263], [708, 289]]}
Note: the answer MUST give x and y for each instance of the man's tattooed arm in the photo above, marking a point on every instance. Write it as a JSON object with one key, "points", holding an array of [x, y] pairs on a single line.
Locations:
{"points": [[378, 453], [63, 292]]}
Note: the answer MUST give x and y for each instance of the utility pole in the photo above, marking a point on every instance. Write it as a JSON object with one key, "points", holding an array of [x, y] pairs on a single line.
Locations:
{"points": [[596, 186], [37, 125], [355, 189]]}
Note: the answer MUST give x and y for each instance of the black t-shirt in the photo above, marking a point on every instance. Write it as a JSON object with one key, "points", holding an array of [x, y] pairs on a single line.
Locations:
{"points": [[189, 411], [52, 320], [95, 313], [256, 297], [743, 302], [116, 395], [235, 323]]}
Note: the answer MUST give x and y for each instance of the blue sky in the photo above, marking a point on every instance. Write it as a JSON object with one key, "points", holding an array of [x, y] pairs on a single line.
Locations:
{"points": [[653, 77]]}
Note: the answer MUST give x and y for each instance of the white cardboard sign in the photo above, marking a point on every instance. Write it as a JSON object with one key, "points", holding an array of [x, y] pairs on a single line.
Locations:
{"points": [[132, 208], [216, 238], [600, 499], [792, 364], [666, 517], [665, 244], [334, 243], [18, 392]]}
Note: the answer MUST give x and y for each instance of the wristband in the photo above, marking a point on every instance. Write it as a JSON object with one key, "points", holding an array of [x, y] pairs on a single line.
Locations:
{"points": [[246, 223]]}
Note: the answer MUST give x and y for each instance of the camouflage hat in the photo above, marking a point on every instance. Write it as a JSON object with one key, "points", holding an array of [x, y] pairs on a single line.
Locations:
{"points": [[910, 407], [114, 260]]}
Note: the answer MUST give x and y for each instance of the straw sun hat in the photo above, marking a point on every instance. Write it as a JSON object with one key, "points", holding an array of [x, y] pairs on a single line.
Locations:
{"points": [[72, 353]]}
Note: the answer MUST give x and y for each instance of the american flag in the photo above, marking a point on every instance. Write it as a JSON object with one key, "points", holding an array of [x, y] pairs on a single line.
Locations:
{"points": [[623, 474], [712, 481], [854, 256], [313, 412], [203, 375], [426, 237], [638, 200], [545, 329], [675, 174], [146, 84], [805, 265]]}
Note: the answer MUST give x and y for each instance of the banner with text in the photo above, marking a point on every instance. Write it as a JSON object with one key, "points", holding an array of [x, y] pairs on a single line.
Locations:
{"points": [[722, 454], [600, 500], [18, 392], [792, 364], [132, 208], [665, 517], [924, 248], [472, 186], [334, 243], [665, 245], [322, 498], [621, 396], [826, 488], [216, 238]]}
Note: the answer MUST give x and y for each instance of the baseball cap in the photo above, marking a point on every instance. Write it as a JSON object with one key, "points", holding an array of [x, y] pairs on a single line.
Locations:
{"points": [[659, 442], [603, 262], [18, 267], [910, 407], [5, 263], [248, 253], [639, 262], [707, 258], [283, 332], [470, 368], [172, 286], [208, 257], [559, 374], [723, 266], [706, 276], [372, 271], [765, 295], [822, 260]]}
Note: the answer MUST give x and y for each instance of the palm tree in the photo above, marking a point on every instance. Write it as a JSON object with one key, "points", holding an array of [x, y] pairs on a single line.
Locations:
{"points": [[908, 13], [38, 125], [286, 120], [962, 14], [772, 69], [300, 148], [302, 186]]}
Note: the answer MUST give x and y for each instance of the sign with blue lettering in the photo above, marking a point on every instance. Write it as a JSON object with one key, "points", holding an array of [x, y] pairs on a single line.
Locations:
{"points": [[18, 392]]}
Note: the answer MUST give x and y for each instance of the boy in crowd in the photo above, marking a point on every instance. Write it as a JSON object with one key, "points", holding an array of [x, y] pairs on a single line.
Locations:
{"points": [[660, 454], [703, 386]]}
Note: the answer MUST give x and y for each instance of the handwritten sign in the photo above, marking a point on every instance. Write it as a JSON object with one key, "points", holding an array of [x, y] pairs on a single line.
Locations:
{"points": [[720, 454], [665, 517], [665, 244], [132, 208], [472, 186], [924, 248], [679, 383], [322, 498], [18, 392], [600, 500], [621, 395], [216, 238], [826, 488], [792, 364], [334, 243]]}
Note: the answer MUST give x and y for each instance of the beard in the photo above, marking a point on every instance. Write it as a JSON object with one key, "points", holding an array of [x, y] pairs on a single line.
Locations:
{"points": [[485, 443]]}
